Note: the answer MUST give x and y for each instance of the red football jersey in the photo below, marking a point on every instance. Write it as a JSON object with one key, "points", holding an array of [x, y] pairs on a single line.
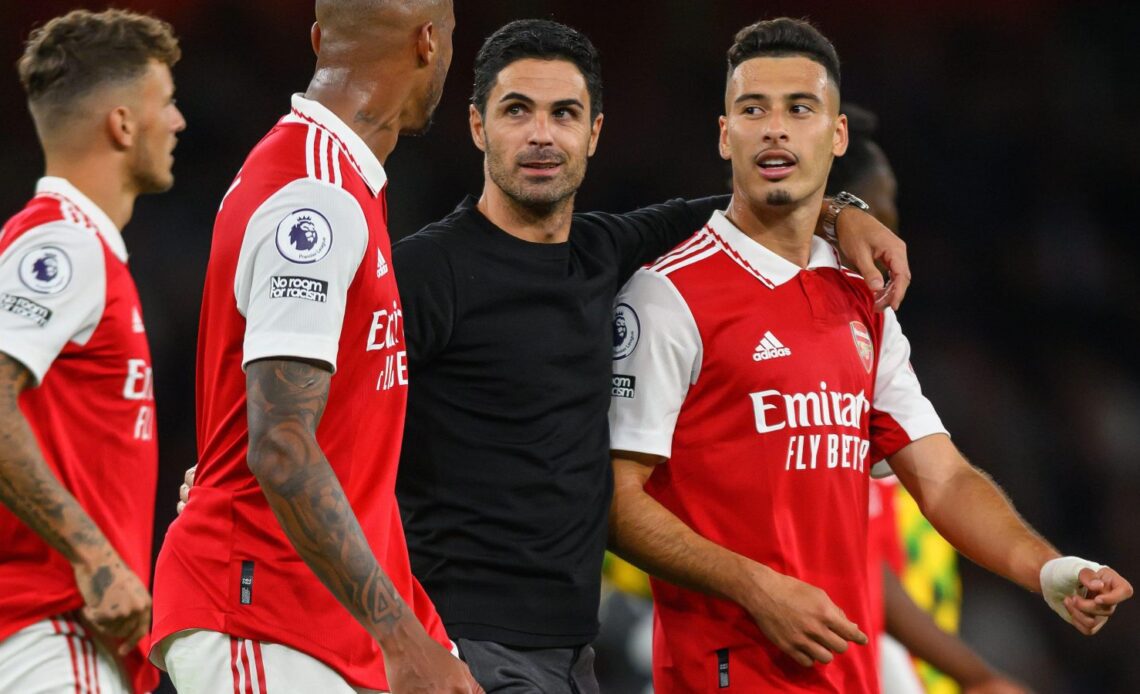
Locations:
{"points": [[771, 390], [71, 314], [297, 269]]}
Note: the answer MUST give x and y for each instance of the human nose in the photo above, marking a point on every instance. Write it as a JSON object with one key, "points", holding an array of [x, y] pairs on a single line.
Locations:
{"points": [[540, 132], [179, 120], [774, 130]]}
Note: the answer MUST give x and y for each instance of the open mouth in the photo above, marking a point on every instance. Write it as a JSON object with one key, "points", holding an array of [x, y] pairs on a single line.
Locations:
{"points": [[775, 165]]}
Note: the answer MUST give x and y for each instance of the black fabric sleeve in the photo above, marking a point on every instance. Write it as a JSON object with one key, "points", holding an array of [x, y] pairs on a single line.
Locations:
{"points": [[427, 295], [646, 234]]}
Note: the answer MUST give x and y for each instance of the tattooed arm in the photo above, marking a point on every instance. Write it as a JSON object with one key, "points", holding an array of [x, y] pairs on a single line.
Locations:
{"points": [[117, 603], [286, 399]]}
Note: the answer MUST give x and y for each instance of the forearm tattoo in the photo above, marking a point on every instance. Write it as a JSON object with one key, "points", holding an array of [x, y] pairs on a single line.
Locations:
{"points": [[285, 402], [33, 493]]}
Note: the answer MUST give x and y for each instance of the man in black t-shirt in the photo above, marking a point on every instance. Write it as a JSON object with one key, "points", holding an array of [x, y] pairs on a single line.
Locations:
{"points": [[504, 479]]}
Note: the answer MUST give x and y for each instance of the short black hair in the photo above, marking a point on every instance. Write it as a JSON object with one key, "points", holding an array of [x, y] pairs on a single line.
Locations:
{"points": [[780, 38], [848, 171], [542, 39]]}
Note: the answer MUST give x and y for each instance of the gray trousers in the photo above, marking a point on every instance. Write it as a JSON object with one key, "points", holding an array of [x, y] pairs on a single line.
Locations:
{"points": [[503, 669]]}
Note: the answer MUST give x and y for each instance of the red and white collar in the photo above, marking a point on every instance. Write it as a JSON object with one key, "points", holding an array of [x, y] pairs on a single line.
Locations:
{"points": [[315, 113], [82, 211], [771, 268]]}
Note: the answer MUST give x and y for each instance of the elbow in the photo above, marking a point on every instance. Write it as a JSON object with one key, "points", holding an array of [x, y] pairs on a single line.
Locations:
{"points": [[272, 450]]}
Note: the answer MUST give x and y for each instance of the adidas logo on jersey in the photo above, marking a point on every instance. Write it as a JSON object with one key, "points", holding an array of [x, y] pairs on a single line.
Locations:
{"points": [[381, 264], [770, 348]]}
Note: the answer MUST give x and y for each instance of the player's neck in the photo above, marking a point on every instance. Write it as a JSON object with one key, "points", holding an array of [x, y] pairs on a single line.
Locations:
{"points": [[786, 230], [536, 225], [99, 179], [378, 125]]}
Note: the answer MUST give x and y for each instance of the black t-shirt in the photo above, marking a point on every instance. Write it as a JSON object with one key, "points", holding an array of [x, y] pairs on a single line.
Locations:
{"points": [[505, 480]]}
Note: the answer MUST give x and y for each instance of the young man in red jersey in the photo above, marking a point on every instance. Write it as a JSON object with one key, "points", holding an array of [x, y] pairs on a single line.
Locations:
{"points": [[79, 458], [287, 570], [758, 386]]}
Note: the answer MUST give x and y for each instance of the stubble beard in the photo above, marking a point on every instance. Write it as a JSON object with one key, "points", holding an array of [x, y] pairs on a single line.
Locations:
{"points": [[421, 128], [148, 177], [428, 110], [540, 200], [428, 105]]}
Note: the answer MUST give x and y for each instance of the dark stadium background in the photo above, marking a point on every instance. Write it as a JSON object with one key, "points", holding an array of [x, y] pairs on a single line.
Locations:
{"points": [[1013, 133]]}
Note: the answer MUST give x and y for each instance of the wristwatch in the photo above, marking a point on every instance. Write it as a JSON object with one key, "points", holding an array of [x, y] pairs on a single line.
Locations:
{"points": [[836, 205]]}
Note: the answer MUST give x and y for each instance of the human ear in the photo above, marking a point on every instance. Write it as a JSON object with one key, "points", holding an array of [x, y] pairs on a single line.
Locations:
{"points": [[475, 120]]}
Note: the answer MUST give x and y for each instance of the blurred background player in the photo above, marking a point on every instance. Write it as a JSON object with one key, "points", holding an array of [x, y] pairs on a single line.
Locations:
{"points": [[765, 387], [79, 458], [288, 568], [901, 542]]}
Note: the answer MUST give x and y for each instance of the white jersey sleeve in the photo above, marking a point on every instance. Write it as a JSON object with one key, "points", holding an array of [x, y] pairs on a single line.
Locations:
{"points": [[53, 285], [900, 413], [657, 356], [301, 250]]}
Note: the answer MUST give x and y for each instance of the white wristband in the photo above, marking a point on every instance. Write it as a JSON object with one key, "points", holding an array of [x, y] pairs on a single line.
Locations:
{"points": [[1059, 580]]}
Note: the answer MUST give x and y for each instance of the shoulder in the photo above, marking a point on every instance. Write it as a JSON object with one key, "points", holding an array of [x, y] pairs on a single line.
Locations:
{"points": [[285, 153], [47, 255], [591, 226], [700, 245], [300, 158], [856, 281], [293, 151], [287, 182], [650, 289], [855, 285], [444, 236], [286, 143], [879, 323], [623, 220], [40, 210], [308, 216]]}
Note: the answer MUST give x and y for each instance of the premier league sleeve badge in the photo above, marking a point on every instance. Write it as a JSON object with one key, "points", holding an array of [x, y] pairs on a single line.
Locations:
{"points": [[627, 330], [304, 236], [45, 270]]}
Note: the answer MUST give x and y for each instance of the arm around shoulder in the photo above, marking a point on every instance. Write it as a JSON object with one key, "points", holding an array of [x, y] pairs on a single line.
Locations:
{"points": [[866, 242]]}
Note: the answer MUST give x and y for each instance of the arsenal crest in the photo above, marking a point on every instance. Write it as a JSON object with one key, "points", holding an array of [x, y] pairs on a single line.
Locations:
{"points": [[863, 344]]}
